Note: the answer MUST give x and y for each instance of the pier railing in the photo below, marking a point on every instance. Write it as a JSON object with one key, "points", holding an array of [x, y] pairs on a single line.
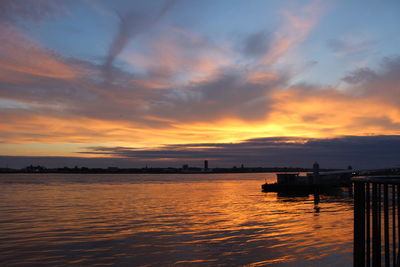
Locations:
{"points": [[377, 221]]}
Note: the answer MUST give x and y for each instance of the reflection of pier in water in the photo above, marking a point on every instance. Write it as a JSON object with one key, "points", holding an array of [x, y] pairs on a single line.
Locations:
{"points": [[325, 195]]}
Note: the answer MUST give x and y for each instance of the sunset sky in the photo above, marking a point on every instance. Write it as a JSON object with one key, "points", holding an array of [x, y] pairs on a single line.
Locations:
{"points": [[172, 82]]}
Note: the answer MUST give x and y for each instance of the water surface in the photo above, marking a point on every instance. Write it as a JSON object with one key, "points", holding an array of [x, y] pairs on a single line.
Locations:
{"points": [[168, 219]]}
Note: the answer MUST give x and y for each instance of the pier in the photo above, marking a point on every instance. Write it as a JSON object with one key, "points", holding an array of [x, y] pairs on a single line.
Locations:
{"points": [[311, 182]]}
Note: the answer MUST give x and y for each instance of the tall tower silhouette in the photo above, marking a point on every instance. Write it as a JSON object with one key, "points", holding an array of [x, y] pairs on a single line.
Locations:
{"points": [[206, 164]]}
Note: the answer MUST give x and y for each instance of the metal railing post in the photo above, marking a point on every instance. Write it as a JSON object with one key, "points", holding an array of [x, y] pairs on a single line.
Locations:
{"points": [[359, 224]]}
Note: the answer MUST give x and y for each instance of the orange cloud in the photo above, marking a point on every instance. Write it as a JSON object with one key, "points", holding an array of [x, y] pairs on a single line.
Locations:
{"points": [[296, 112], [21, 56], [329, 113], [263, 77]]}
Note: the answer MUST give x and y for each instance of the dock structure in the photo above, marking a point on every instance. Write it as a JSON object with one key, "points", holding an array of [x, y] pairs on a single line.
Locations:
{"points": [[377, 221], [310, 182]]}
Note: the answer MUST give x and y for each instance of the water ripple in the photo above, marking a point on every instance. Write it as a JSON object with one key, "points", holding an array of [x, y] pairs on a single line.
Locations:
{"points": [[154, 220]]}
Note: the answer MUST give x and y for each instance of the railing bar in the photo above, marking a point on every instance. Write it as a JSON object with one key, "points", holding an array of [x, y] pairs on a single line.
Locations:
{"points": [[375, 258], [368, 226], [379, 236], [386, 224], [394, 223], [378, 219], [359, 224], [398, 223]]}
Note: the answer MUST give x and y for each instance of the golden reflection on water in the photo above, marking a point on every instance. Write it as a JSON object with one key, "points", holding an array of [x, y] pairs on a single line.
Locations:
{"points": [[161, 220]]}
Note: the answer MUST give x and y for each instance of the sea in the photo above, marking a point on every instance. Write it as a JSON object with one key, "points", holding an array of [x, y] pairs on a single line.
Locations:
{"points": [[169, 220]]}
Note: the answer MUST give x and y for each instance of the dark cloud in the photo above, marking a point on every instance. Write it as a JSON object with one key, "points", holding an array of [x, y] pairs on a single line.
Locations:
{"points": [[257, 44], [360, 76], [381, 84], [359, 151], [131, 24], [229, 94]]}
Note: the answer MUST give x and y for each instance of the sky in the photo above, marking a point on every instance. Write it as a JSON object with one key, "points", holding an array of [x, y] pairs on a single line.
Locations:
{"points": [[171, 82]]}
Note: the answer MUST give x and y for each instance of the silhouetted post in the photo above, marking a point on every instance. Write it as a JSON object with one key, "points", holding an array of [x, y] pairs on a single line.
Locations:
{"points": [[316, 199], [316, 173], [394, 222], [206, 165], [386, 223], [376, 231], [368, 221], [398, 223]]}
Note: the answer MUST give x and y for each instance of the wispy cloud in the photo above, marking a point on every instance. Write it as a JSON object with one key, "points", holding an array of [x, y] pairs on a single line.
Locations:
{"points": [[176, 57], [131, 24], [21, 56], [296, 27], [345, 47]]}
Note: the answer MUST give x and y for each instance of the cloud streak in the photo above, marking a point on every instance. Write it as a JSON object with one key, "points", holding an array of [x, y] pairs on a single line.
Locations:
{"points": [[132, 24], [295, 29]]}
